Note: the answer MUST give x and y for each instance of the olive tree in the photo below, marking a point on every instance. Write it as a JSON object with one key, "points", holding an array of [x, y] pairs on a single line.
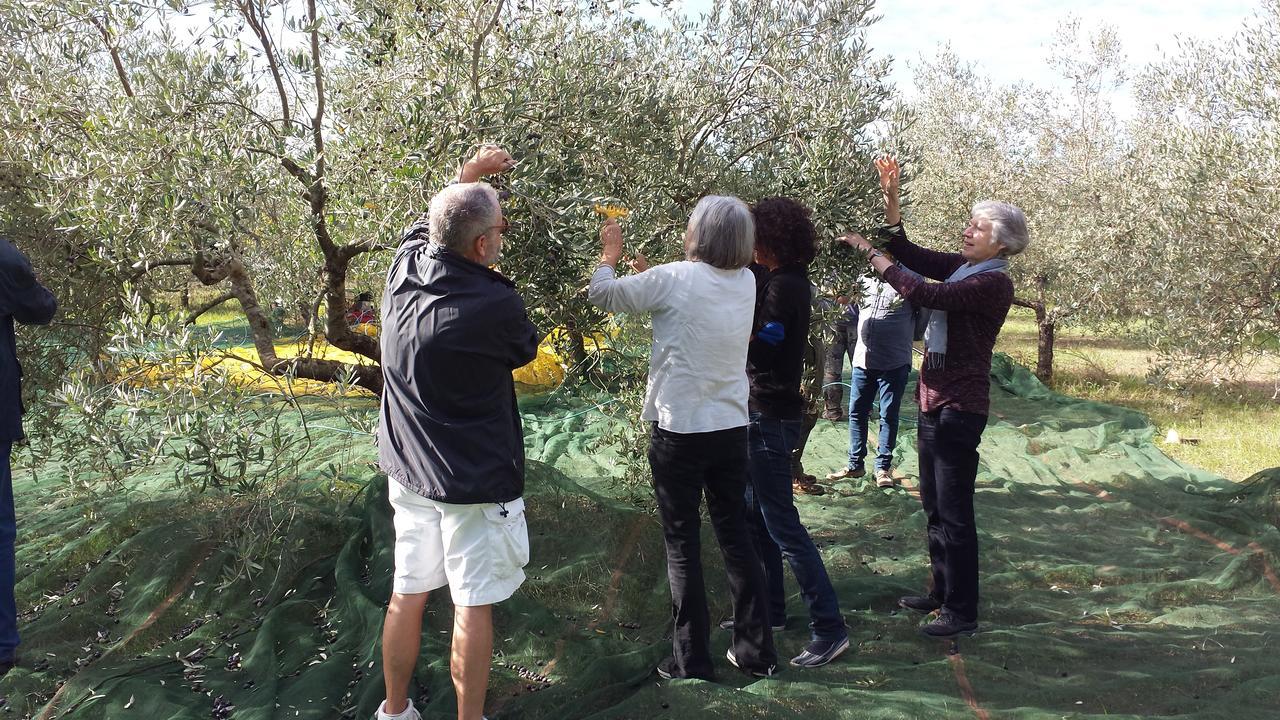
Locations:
{"points": [[1206, 274], [1059, 154], [279, 147]]}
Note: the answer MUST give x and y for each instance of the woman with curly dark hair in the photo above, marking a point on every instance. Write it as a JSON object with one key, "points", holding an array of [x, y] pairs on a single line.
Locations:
{"points": [[786, 242]]}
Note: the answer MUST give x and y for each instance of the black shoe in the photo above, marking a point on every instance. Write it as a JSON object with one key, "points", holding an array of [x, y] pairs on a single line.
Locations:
{"points": [[919, 603], [754, 672], [6, 665], [667, 670], [949, 626], [728, 625], [820, 652]]}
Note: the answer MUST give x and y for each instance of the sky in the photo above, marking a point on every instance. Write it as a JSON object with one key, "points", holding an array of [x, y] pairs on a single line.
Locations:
{"points": [[1008, 40]]}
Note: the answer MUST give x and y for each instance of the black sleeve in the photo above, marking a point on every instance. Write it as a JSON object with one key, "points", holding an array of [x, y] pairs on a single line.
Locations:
{"points": [[782, 300], [21, 295], [519, 336]]}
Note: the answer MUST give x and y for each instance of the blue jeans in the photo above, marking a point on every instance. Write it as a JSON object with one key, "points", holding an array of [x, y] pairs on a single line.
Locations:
{"points": [[8, 532], [777, 532], [863, 388]]}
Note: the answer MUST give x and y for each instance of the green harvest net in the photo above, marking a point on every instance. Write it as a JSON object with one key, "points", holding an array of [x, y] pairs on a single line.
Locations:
{"points": [[1116, 582]]}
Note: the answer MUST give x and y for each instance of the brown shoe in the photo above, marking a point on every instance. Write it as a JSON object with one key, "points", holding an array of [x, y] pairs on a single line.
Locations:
{"points": [[885, 478], [847, 474], [807, 485]]}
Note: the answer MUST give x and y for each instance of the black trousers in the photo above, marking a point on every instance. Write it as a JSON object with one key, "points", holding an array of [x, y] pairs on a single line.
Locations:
{"points": [[684, 467], [947, 445]]}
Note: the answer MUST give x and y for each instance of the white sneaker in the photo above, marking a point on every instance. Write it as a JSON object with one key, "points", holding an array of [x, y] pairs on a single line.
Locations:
{"points": [[409, 713]]}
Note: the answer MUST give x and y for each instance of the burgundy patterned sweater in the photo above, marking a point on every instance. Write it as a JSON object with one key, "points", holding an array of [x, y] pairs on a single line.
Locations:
{"points": [[976, 308]]}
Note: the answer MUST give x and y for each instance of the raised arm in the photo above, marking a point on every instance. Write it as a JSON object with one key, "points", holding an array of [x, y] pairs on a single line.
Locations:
{"points": [[936, 265], [488, 160], [890, 176], [988, 292], [929, 263], [643, 292]]}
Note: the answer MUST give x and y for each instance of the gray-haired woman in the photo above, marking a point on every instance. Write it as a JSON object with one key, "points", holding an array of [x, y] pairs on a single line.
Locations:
{"points": [[969, 307], [696, 402]]}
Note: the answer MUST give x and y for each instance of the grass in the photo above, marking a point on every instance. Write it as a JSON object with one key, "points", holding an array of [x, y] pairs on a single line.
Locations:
{"points": [[1236, 425]]}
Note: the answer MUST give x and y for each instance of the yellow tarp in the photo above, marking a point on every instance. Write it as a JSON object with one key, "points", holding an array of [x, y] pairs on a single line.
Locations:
{"points": [[242, 367]]}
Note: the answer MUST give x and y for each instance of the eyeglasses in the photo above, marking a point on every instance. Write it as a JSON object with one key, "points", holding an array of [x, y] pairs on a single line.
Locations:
{"points": [[503, 227]]}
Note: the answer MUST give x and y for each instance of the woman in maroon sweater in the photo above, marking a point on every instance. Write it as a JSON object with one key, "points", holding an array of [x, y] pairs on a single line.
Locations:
{"points": [[969, 305]]}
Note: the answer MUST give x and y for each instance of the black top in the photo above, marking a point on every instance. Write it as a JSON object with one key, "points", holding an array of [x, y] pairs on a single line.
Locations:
{"points": [[774, 365], [452, 332], [24, 299]]}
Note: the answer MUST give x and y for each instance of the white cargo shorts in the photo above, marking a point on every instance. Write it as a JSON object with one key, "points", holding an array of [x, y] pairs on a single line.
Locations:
{"points": [[479, 550]]}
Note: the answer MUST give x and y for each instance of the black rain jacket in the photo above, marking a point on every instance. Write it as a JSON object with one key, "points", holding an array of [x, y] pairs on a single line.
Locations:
{"points": [[452, 332], [25, 300]]}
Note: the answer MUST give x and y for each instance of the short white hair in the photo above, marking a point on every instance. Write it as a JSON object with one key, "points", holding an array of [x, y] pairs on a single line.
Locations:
{"points": [[721, 232], [1008, 225], [461, 213]]}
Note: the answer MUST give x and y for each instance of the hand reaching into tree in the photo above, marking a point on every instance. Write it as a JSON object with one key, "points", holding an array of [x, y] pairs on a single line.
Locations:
{"points": [[639, 263], [611, 244], [890, 177], [488, 160], [854, 240]]}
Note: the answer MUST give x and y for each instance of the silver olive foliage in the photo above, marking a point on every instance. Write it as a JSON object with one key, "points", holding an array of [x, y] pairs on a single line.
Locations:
{"points": [[1164, 224], [276, 149]]}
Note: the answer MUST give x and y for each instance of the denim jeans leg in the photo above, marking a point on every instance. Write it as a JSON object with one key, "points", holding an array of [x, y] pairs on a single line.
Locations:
{"points": [[770, 444], [861, 395], [891, 384], [8, 534], [768, 553]]}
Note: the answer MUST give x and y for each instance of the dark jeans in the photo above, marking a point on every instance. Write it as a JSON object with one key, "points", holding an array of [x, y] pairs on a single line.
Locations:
{"points": [[842, 344], [777, 532], [8, 533], [864, 387], [684, 466], [811, 389], [947, 442], [807, 424]]}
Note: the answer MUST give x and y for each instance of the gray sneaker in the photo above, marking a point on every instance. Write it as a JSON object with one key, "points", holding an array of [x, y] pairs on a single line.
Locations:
{"points": [[820, 652], [885, 478]]}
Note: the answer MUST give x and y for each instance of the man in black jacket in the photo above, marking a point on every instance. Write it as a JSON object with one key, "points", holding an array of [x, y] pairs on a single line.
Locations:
{"points": [[449, 435], [24, 299]]}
